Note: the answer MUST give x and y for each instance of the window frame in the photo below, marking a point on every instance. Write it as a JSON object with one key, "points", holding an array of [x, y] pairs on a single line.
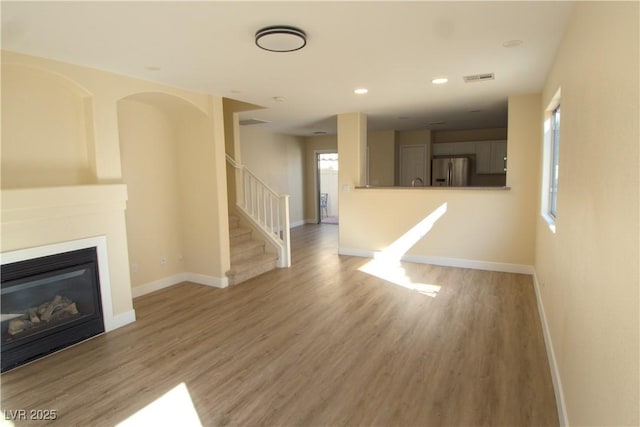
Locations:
{"points": [[550, 162], [554, 162]]}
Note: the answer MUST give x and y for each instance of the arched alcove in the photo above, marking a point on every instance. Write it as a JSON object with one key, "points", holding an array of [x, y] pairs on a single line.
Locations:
{"points": [[166, 150], [47, 129]]}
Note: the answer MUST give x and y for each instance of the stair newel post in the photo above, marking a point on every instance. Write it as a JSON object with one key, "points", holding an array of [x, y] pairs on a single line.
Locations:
{"points": [[286, 237]]}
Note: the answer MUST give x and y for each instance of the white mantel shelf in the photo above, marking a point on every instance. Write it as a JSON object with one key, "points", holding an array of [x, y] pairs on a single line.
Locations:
{"points": [[20, 204]]}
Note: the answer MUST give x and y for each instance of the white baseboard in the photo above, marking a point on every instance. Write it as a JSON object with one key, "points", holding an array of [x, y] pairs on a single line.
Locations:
{"points": [[165, 282], [553, 365], [447, 262], [202, 279], [120, 320], [311, 221], [156, 285], [297, 224]]}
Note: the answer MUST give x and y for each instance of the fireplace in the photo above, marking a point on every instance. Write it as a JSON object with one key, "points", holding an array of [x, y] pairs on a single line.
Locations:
{"points": [[49, 303]]}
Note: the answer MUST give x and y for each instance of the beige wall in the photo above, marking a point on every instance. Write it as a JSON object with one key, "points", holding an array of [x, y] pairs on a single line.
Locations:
{"points": [[278, 160], [149, 168], [482, 225], [313, 145], [588, 269], [45, 138], [382, 152], [205, 225]]}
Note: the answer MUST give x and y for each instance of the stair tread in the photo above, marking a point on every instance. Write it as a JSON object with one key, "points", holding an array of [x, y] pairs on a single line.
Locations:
{"points": [[249, 244], [238, 231], [250, 263]]}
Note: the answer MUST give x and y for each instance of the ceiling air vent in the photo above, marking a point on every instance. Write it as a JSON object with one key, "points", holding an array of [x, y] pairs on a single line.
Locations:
{"points": [[478, 77], [247, 122]]}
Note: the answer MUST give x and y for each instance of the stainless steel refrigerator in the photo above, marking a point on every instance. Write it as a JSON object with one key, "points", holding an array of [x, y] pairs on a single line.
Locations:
{"points": [[450, 172]]}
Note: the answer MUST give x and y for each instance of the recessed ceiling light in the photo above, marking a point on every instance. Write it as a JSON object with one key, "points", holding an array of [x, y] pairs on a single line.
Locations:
{"points": [[361, 91], [281, 38], [439, 80], [512, 43], [279, 98]]}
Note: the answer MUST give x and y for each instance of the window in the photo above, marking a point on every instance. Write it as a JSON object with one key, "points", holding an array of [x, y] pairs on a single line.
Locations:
{"points": [[551, 160], [555, 151]]}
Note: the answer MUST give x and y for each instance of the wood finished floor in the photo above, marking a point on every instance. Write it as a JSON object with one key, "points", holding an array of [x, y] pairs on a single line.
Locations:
{"points": [[321, 343]]}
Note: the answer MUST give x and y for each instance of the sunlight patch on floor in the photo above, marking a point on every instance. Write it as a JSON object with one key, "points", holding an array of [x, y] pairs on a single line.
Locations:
{"points": [[174, 408], [386, 263], [393, 272]]}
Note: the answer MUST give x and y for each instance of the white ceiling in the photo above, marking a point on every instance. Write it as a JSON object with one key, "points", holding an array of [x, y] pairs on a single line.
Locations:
{"points": [[392, 48]]}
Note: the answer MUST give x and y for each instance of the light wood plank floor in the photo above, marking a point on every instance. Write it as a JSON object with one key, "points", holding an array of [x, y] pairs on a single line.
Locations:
{"points": [[321, 343]]}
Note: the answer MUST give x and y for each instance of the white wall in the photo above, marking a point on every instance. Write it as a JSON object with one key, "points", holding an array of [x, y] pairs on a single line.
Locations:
{"points": [[588, 269], [278, 160]]}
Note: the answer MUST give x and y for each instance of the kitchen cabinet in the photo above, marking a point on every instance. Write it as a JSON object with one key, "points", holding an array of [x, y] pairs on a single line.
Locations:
{"points": [[453, 148], [490, 157]]}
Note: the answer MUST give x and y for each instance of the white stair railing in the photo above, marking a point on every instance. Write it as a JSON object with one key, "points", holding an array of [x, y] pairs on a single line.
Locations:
{"points": [[266, 209]]}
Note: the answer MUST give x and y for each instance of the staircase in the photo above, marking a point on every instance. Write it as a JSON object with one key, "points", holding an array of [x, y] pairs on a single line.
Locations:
{"points": [[248, 257]]}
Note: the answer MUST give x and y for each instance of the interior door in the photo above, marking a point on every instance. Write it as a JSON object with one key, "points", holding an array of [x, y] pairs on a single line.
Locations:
{"points": [[412, 164]]}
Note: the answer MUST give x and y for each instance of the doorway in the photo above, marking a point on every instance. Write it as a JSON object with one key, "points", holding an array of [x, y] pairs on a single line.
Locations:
{"points": [[413, 165], [327, 196]]}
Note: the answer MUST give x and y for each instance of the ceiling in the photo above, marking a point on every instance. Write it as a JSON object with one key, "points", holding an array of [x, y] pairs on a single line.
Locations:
{"points": [[393, 48]]}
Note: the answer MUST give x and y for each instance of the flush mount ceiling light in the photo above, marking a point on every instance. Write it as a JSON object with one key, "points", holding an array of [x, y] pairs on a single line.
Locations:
{"points": [[281, 38]]}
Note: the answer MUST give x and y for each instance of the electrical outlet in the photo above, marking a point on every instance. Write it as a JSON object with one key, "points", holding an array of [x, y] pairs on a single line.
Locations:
{"points": [[163, 260]]}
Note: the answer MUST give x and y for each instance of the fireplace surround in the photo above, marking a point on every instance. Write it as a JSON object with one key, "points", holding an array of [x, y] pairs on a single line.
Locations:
{"points": [[49, 303], [94, 265]]}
